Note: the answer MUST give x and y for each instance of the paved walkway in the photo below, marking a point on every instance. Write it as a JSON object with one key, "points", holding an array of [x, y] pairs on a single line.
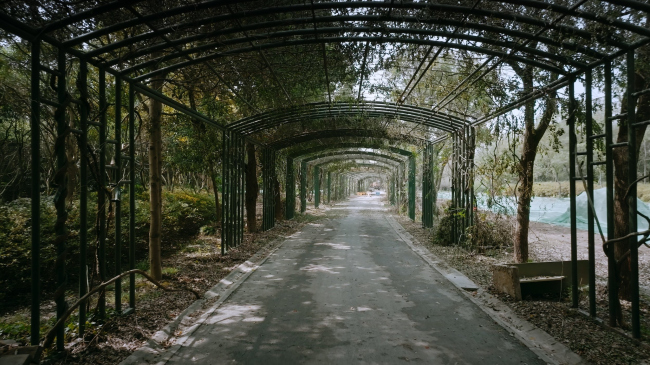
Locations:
{"points": [[349, 290]]}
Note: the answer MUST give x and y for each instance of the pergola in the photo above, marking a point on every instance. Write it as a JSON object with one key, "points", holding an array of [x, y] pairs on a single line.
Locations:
{"points": [[137, 42]]}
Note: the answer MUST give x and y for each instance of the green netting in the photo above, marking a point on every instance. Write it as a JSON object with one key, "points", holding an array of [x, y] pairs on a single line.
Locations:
{"points": [[600, 204]]}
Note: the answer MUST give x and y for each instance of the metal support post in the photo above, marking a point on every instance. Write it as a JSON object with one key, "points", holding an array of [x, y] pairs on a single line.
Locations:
{"points": [[316, 186], [226, 195], [303, 186], [572, 195], [35, 135], [132, 195], [329, 187], [82, 87], [611, 234], [590, 192], [290, 182], [632, 194], [60, 179], [117, 193], [101, 193], [411, 191]]}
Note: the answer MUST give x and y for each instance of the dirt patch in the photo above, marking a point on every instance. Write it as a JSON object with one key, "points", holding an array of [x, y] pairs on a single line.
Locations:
{"points": [[553, 315]]}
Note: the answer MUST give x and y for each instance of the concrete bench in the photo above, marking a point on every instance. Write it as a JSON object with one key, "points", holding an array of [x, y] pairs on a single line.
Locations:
{"points": [[537, 278]]}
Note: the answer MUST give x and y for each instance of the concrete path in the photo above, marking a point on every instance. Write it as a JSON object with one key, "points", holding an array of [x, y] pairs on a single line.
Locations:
{"points": [[349, 290]]}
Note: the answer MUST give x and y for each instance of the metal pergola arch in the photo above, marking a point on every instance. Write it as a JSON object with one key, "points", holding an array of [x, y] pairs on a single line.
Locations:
{"points": [[363, 109], [337, 133], [329, 6], [602, 56], [340, 155]]}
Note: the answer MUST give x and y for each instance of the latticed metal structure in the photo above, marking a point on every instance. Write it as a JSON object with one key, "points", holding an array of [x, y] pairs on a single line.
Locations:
{"points": [[136, 42]]}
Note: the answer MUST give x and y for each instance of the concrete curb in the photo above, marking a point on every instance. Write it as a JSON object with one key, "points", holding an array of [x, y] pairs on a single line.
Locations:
{"points": [[166, 342], [541, 343]]}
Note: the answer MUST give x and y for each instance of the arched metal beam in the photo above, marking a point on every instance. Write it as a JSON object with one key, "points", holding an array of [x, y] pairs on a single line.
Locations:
{"points": [[290, 43], [359, 155], [354, 155], [331, 146], [324, 110], [378, 166], [397, 35], [437, 21], [430, 7], [358, 133]]}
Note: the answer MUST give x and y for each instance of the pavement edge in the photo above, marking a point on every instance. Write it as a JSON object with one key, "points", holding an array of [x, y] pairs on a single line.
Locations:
{"points": [[537, 340], [166, 342]]}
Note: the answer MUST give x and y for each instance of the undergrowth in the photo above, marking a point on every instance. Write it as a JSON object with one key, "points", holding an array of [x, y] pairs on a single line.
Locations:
{"points": [[489, 231], [183, 215]]}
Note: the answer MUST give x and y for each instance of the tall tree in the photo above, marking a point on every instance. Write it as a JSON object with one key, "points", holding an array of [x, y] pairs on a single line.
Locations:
{"points": [[526, 162], [622, 166], [155, 180]]}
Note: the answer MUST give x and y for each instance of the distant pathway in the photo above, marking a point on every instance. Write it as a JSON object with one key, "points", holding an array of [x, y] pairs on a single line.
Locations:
{"points": [[349, 290]]}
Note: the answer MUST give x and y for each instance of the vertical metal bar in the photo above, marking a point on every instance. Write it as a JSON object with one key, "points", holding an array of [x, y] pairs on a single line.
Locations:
{"points": [[101, 192], [224, 191], [132, 195], [241, 154], [572, 194], [316, 186], [35, 134], [411, 191], [590, 191], [82, 86], [303, 186], [60, 180], [117, 198], [265, 220], [609, 175], [240, 159], [471, 175], [274, 177], [459, 182], [453, 187], [329, 187], [632, 194], [290, 199], [424, 187]]}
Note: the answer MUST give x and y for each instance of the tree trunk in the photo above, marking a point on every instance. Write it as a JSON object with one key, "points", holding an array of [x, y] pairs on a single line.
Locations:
{"points": [[155, 182], [525, 189], [621, 184], [252, 188], [532, 136]]}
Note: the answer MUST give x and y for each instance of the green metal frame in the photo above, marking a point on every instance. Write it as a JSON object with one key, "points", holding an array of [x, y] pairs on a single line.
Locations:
{"points": [[584, 59]]}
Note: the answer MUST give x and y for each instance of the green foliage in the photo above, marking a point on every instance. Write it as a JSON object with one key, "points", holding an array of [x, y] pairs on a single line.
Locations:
{"points": [[183, 215], [443, 228]]}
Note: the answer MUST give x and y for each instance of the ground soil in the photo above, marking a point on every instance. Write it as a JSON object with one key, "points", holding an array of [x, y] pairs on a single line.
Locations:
{"points": [[554, 315]]}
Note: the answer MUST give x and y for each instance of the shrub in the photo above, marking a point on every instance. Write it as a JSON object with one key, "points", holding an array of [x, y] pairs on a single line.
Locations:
{"points": [[490, 231], [183, 215], [443, 226]]}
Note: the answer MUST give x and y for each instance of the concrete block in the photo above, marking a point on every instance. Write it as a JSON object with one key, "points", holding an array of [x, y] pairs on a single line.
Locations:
{"points": [[505, 279], [15, 359]]}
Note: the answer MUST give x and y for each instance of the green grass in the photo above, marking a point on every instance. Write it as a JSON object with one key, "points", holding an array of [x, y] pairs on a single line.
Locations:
{"points": [[169, 271]]}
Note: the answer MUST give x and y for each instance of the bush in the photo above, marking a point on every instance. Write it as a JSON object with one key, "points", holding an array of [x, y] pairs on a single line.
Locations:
{"points": [[490, 231], [183, 215], [443, 226]]}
